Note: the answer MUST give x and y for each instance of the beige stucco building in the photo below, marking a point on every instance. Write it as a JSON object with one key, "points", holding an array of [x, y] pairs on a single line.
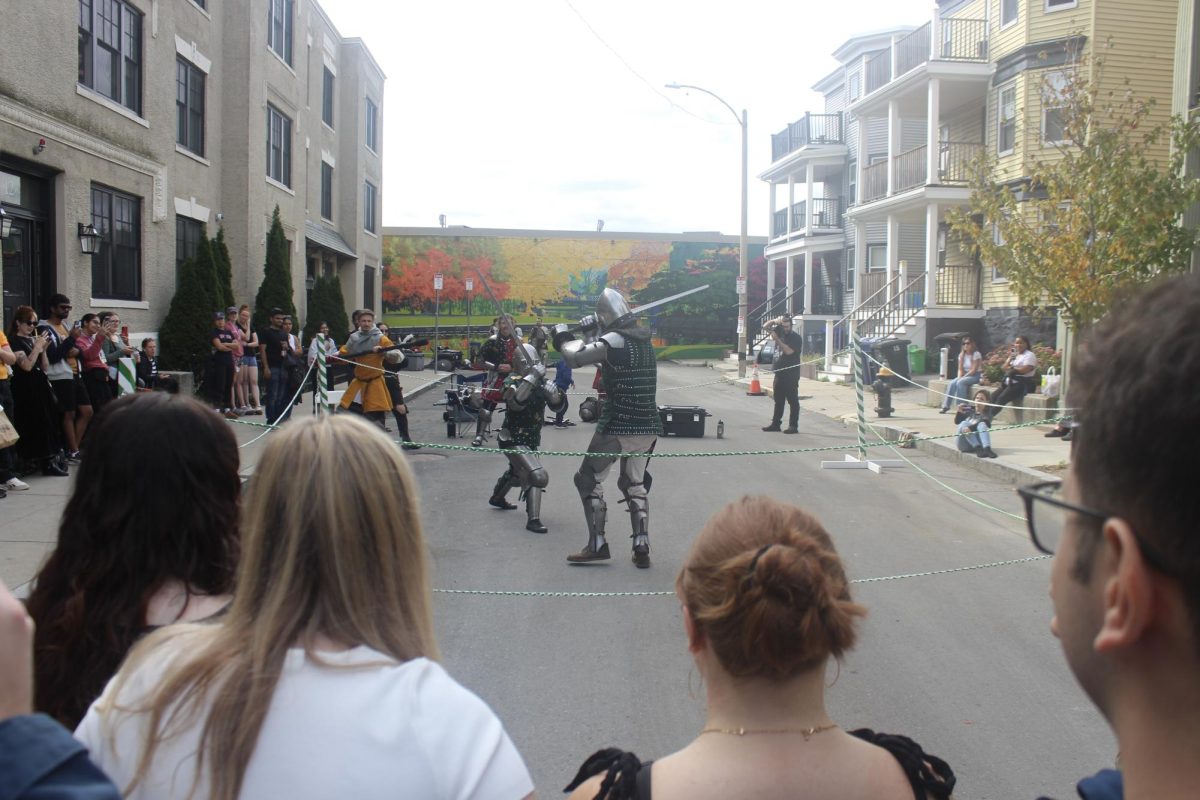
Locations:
{"points": [[155, 120]]}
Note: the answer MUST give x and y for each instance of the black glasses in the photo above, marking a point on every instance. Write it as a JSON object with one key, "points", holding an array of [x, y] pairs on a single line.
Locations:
{"points": [[1046, 514]]}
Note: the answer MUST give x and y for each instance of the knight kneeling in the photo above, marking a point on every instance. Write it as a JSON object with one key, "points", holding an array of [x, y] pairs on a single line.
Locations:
{"points": [[629, 424], [526, 395]]}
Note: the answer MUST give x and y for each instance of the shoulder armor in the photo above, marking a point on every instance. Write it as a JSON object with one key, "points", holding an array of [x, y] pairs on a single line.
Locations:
{"points": [[613, 339]]}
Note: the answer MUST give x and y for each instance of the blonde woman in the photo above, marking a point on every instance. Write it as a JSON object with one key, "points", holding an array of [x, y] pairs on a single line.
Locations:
{"points": [[321, 680], [766, 606], [246, 380]]}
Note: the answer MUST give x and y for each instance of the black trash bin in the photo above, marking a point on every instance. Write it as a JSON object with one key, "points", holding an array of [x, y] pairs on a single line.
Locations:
{"points": [[953, 343], [893, 352], [871, 359]]}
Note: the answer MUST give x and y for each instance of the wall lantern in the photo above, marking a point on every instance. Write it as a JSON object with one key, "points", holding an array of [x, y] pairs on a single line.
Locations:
{"points": [[5, 224], [89, 239]]}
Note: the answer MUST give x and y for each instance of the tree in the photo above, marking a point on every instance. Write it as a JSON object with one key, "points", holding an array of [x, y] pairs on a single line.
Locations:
{"points": [[328, 305], [1096, 213], [185, 335], [224, 270], [276, 288]]}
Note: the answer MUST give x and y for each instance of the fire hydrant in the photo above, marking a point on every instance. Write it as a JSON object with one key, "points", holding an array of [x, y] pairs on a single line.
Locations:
{"points": [[883, 393]]}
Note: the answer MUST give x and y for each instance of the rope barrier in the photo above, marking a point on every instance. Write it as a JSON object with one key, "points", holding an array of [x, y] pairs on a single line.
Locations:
{"points": [[905, 576], [270, 426]]}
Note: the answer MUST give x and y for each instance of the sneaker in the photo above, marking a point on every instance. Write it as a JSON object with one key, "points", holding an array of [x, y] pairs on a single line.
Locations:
{"points": [[986, 452], [500, 503], [1054, 434], [772, 428], [791, 430], [229, 414], [641, 556], [74, 457], [255, 411], [55, 469], [535, 525], [587, 555], [943, 410], [560, 424], [15, 484]]}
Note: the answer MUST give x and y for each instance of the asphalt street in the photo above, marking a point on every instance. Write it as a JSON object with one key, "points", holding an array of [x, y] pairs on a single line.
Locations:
{"points": [[962, 662]]}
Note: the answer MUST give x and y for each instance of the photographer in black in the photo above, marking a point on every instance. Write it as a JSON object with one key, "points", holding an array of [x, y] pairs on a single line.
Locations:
{"points": [[788, 345]]}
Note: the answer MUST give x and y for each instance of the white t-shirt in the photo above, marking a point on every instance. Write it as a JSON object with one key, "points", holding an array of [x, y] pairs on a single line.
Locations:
{"points": [[968, 361], [367, 727], [1026, 359]]}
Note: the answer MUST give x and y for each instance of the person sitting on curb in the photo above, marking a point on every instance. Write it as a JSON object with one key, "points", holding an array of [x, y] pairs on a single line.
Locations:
{"points": [[974, 423]]}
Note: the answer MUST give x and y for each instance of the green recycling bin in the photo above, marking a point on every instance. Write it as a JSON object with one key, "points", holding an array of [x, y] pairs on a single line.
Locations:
{"points": [[916, 360]]}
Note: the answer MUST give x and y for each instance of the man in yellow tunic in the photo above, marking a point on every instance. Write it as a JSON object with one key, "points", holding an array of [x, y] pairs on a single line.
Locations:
{"points": [[367, 393]]}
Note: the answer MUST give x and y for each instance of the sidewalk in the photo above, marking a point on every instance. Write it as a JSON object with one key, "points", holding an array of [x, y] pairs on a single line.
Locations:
{"points": [[1025, 454]]}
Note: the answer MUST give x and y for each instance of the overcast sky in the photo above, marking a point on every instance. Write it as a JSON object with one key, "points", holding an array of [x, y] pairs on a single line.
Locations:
{"points": [[552, 114]]}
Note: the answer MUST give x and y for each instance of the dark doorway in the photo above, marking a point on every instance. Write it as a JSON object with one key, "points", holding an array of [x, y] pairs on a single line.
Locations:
{"points": [[22, 268], [27, 194]]}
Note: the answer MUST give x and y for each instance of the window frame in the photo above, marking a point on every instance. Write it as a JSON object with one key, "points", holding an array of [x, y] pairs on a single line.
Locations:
{"points": [[1051, 6], [871, 249], [852, 183], [187, 239], [284, 146], [326, 190], [185, 114], [998, 240], [371, 126], [328, 84], [850, 271], [369, 281], [106, 225], [1000, 119], [280, 41], [1016, 13], [1048, 78], [370, 206], [125, 60]]}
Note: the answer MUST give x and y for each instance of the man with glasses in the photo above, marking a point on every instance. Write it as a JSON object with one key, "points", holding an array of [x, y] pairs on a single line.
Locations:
{"points": [[63, 355], [1123, 528]]}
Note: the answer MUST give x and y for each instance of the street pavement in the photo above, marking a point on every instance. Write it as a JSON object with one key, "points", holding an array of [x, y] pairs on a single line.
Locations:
{"points": [[961, 660]]}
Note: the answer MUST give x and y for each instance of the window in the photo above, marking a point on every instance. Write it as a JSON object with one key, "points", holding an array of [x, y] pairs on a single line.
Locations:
{"points": [[369, 206], [187, 239], [372, 125], [201, 3], [110, 51], [369, 286], [327, 98], [189, 106], [876, 257], [855, 86], [117, 267], [998, 240], [1054, 85], [1006, 119], [279, 146], [1008, 12], [850, 269], [1060, 5], [279, 28], [326, 190], [852, 192]]}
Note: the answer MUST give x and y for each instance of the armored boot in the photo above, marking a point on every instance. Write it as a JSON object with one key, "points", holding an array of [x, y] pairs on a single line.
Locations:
{"points": [[594, 513], [482, 421], [639, 517], [533, 510], [499, 493]]}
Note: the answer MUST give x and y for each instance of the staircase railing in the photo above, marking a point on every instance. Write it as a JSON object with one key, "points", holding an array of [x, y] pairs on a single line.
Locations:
{"points": [[884, 312], [756, 317]]}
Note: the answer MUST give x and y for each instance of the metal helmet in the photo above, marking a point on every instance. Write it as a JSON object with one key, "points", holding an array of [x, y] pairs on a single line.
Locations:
{"points": [[524, 356], [611, 306]]}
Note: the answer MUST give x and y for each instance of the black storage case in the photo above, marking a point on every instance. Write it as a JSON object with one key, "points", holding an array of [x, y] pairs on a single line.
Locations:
{"points": [[682, 420]]}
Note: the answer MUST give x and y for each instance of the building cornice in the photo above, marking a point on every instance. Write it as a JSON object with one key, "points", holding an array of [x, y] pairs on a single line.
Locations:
{"points": [[1038, 55]]}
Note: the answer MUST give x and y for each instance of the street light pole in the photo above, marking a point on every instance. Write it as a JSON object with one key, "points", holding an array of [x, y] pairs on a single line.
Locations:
{"points": [[742, 262]]}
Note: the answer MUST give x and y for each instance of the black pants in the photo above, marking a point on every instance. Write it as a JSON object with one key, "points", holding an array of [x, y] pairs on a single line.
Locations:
{"points": [[787, 390], [8, 456], [222, 380], [98, 389], [1011, 392], [562, 411]]}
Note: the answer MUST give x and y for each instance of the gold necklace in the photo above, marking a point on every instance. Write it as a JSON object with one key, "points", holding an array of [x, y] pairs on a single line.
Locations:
{"points": [[805, 732]]}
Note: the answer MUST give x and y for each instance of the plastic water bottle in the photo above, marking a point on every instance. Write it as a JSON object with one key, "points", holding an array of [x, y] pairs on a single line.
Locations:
{"points": [[720, 429]]}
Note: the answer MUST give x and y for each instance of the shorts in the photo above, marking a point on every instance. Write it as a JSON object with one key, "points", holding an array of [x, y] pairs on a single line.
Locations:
{"points": [[249, 361], [71, 394]]}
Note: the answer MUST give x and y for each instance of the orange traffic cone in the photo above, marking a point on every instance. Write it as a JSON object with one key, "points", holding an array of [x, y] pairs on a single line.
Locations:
{"points": [[755, 386]]}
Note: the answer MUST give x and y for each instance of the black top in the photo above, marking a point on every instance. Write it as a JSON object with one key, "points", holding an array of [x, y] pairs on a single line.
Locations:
{"points": [[275, 342], [224, 336], [628, 778], [792, 340], [147, 371]]}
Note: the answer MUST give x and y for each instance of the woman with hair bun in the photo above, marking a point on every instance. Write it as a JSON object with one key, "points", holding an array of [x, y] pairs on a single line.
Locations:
{"points": [[766, 604]]}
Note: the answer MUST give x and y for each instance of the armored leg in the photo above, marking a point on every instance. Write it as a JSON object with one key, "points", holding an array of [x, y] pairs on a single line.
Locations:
{"points": [[533, 510], [634, 483], [482, 420], [588, 481], [500, 491]]}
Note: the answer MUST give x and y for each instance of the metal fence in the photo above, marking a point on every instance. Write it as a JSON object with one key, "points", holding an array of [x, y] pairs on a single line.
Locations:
{"points": [[963, 39], [959, 285], [874, 182]]}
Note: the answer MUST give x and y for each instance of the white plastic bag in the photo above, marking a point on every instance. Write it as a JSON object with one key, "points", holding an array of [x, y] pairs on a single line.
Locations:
{"points": [[1051, 382]]}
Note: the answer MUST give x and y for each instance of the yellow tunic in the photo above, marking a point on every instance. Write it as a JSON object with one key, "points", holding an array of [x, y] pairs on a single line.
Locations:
{"points": [[368, 381]]}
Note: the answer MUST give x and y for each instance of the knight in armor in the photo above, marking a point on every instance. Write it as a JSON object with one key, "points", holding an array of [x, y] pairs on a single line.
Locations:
{"points": [[526, 395], [497, 355], [628, 426]]}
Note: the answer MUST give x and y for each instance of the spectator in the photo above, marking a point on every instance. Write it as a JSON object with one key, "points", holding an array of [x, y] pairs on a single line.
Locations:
{"points": [[247, 376], [38, 758], [564, 380], [147, 365], [766, 605], [63, 370], [323, 670], [1020, 375], [223, 345], [148, 537], [294, 362], [1125, 580], [970, 372], [237, 401], [116, 346], [95, 372], [9, 482], [974, 427], [36, 418], [272, 346]]}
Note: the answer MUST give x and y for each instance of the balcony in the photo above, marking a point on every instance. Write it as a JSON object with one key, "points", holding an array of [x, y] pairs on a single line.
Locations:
{"points": [[808, 130], [963, 40], [826, 214], [956, 162], [959, 285]]}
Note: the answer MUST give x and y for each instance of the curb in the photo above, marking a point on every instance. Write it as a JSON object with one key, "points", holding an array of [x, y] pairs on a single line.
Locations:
{"points": [[944, 449]]}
